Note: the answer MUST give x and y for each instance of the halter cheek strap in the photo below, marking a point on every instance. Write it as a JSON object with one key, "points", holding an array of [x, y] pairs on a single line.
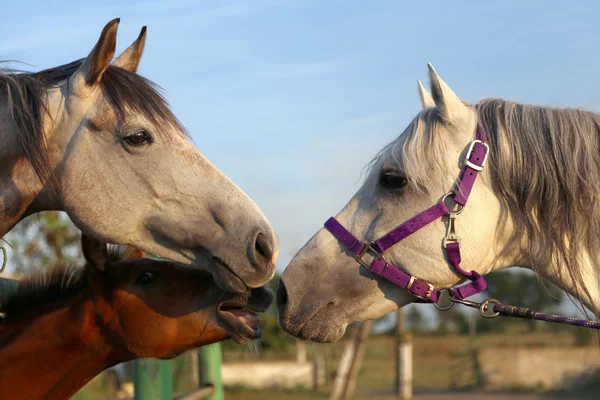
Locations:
{"points": [[377, 264]]}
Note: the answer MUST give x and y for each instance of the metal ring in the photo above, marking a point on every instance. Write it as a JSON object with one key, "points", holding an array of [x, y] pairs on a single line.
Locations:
{"points": [[487, 311], [4, 259], [445, 297], [459, 208]]}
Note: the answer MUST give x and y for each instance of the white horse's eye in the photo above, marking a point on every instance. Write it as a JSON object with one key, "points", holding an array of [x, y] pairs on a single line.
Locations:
{"points": [[391, 178], [138, 138]]}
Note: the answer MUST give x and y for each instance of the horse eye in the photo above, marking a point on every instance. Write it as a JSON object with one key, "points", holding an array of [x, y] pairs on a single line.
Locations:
{"points": [[138, 138], [145, 278], [391, 178]]}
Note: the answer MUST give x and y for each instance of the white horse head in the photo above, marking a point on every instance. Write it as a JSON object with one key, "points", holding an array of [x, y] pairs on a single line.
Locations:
{"points": [[527, 209]]}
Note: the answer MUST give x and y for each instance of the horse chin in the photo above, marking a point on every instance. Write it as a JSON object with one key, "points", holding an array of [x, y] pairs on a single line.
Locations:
{"points": [[241, 325], [323, 334]]}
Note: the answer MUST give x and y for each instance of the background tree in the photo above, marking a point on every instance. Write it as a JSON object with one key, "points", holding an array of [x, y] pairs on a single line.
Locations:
{"points": [[415, 319], [43, 241], [454, 321]]}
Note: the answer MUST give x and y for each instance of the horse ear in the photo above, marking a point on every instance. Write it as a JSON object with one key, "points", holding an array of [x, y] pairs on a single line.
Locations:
{"points": [[426, 98], [451, 108], [130, 58], [92, 68], [94, 251]]}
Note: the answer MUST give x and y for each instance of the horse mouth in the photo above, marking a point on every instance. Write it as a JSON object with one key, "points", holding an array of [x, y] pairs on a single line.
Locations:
{"points": [[242, 325]]}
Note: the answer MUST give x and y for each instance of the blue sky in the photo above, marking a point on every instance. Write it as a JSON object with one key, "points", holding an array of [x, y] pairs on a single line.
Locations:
{"points": [[292, 98]]}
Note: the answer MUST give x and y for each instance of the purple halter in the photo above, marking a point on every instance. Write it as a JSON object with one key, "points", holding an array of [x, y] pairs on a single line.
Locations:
{"points": [[475, 161], [425, 292]]}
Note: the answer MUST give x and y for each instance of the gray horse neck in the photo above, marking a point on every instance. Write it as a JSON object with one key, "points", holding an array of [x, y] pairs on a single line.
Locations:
{"points": [[21, 191]]}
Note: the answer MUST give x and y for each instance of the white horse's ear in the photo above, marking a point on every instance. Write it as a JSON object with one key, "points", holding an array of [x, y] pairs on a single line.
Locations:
{"points": [[452, 109], [94, 251], [426, 98], [91, 70], [130, 58]]}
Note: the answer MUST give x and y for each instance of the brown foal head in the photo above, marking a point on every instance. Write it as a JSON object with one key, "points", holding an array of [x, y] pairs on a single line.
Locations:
{"points": [[160, 309], [138, 307]]}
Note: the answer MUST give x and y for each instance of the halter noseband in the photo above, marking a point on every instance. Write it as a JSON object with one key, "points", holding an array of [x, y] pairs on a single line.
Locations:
{"points": [[425, 292]]}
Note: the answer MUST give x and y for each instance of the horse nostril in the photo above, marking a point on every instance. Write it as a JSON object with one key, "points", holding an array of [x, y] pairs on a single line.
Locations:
{"points": [[282, 297], [259, 248], [264, 248]]}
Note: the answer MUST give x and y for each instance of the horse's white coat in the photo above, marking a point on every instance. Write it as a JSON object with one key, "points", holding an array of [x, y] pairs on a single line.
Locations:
{"points": [[326, 289]]}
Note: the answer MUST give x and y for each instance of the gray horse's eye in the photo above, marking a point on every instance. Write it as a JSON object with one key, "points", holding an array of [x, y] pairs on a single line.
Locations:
{"points": [[138, 138], [391, 178]]}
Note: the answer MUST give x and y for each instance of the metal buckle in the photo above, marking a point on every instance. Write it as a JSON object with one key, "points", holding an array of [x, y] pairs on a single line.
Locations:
{"points": [[429, 289], [470, 152], [370, 250], [451, 235]]}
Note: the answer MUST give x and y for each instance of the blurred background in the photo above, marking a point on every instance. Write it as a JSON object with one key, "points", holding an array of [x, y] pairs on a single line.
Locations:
{"points": [[291, 99]]}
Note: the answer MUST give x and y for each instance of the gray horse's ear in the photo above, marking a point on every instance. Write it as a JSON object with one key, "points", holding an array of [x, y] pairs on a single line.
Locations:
{"points": [[452, 110], [425, 96], [94, 66], [130, 58], [94, 251]]}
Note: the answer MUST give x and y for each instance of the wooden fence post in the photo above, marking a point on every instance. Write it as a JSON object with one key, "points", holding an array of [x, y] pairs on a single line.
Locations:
{"points": [[350, 363], [405, 366]]}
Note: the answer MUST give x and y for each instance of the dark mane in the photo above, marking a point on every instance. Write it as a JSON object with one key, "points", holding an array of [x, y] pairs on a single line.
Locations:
{"points": [[40, 290], [25, 94], [37, 291]]}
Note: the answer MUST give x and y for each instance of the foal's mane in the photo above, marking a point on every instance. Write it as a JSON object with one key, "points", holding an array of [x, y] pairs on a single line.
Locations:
{"points": [[40, 289], [25, 95], [545, 169]]}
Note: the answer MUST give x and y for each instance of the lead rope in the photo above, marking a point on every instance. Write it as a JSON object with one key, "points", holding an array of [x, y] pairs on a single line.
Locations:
{"points": [[492, 308], [527, 313]]}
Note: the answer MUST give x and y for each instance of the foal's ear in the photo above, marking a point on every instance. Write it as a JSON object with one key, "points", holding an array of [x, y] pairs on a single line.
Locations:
{"points": [[425, 96], [90, 72], [130, 58], [94, 251], [452, 109]]}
